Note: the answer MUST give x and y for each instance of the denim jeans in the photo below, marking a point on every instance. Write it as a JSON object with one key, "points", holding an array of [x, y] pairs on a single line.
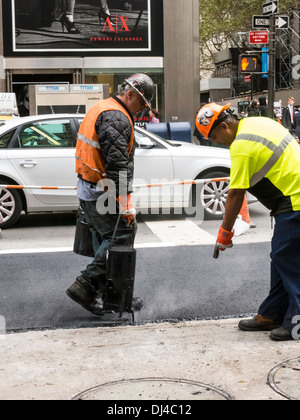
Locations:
{"points": [[102, 228], [283, 302]]}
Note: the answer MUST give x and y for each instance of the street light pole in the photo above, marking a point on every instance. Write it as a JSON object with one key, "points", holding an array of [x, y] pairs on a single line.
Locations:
{"points": [[272, 65]]}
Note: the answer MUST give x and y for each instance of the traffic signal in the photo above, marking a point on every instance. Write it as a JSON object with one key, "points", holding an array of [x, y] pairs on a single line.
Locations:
{"points": [[249, 63]]}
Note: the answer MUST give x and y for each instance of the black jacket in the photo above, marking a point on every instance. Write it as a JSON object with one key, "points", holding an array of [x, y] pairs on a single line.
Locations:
{"points": [[114, 133], [263, 110], [297, 123], [253, 113], [286, 119]]}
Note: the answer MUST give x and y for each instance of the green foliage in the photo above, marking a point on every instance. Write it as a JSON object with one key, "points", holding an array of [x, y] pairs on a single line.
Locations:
{"points": [[222, 23]]}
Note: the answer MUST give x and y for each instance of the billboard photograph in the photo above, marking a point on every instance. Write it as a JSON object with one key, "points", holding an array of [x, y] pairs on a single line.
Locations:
{"points": [[81, 25]]}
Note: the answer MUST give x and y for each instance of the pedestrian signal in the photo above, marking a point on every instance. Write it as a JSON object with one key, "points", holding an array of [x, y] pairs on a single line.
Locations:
{"points": [[249, 64]]}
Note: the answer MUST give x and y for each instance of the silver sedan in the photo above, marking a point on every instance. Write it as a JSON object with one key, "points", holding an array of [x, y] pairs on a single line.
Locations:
{"points": [[39, 151]]}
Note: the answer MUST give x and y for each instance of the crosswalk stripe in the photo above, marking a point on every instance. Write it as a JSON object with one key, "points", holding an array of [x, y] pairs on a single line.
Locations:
{"points": [[161, 234], [180, 232]]}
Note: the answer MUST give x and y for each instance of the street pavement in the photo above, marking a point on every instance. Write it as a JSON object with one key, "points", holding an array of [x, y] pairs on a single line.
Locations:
{"points": [[139, 370], [162, 362]]}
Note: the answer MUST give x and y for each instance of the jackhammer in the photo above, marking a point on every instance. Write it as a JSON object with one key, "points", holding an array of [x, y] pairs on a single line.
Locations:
{"points": [[120, 268], [120, 275]]}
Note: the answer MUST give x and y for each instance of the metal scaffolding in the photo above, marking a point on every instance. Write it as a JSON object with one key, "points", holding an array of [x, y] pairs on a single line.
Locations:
{"points": [[288, 54]]}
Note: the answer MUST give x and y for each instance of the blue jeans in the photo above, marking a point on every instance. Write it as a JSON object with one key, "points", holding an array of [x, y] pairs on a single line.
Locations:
{"points": [[102, 228], [283, 302]]}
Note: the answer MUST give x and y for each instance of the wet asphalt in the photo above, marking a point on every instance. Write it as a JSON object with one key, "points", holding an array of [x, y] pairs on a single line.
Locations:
{"points": [[176, 283]]}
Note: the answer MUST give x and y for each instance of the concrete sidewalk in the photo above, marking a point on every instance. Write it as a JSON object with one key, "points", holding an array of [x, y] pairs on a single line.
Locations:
{"points": [[185, 361]]}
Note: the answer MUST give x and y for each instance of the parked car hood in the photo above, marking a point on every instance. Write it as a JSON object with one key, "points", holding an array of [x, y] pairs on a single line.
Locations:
{"points": [[201, 150]]}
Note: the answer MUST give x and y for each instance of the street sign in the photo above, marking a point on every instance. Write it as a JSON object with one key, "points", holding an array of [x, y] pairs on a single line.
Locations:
{"points": [[270, 7], [261, 22], [283, 22], [265, 62], [259, 37]]}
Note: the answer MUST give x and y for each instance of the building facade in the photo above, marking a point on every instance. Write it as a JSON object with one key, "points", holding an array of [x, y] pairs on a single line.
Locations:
{"points": [[157, 37]]}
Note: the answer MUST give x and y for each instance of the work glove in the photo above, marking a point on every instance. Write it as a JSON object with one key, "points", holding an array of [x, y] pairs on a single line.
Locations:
{"points": [[127, 209], [224, 241]]}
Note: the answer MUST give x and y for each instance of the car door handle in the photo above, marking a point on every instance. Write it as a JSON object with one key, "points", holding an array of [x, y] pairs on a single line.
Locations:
{"points": [[28, 163]]}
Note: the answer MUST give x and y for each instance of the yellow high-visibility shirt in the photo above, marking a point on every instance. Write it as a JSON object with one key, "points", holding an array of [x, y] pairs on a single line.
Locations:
{"points": [[265, 160]]}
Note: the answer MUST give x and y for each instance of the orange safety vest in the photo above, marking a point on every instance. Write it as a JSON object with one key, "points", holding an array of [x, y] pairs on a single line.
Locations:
{"points": [[90, 162]]}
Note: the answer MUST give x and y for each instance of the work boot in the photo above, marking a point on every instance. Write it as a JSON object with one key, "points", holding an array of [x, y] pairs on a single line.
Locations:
{"points": [[259, 323], [280, 334], [83, 292]]}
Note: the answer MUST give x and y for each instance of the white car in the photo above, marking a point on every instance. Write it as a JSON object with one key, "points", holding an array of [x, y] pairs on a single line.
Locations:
{"points": [[40, 151]]}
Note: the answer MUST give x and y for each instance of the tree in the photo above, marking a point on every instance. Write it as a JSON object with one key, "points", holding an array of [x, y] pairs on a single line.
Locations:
{"points": [[225, 23]]}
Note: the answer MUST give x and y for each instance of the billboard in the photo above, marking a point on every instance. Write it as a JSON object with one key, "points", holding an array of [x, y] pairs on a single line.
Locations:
{"points": [[91, 27]]}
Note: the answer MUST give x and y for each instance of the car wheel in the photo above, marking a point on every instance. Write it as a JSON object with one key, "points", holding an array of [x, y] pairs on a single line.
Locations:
{"points": [[213, 196], [10, 207]]}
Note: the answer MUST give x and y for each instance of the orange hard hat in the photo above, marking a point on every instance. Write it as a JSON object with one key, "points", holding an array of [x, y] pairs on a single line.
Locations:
{"points": [[208, 116]]}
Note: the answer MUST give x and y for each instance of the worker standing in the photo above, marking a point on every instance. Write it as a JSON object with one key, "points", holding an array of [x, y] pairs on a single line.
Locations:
{"points": [[265, 160], [105, 152]]}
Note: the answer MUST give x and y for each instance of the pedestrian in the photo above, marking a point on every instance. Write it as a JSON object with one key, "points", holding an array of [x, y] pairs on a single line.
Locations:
{"points": [[154, 116], [263, 106], [264, 161], [105, 154], [288, 115], [297, 123], [253, 109]]}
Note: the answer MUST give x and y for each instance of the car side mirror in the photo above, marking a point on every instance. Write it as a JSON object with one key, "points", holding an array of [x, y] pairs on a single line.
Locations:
{"points": [[145, 143]]}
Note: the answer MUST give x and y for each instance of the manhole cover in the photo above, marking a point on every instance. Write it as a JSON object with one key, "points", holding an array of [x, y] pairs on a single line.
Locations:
{"points": [[285, 378], [153, 389]]}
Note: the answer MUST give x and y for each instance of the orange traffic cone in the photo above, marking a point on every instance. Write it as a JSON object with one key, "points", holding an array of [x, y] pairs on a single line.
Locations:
{"points": [[242, 223], [244, 212]]}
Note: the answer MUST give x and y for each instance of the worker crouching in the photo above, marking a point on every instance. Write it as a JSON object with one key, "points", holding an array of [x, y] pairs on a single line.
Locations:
{"points": [[265, 160]]}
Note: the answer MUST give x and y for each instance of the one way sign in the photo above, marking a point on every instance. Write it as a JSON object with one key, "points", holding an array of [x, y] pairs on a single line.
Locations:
{"points": [[261, 22], [282, 22], [270, 8]]}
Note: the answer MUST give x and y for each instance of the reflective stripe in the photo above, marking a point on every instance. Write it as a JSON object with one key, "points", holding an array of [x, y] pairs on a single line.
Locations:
{"points": [[277, 153], [92, 161], [103, 175], [257, 139], [90, 142]]}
